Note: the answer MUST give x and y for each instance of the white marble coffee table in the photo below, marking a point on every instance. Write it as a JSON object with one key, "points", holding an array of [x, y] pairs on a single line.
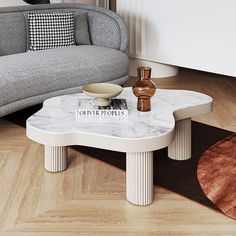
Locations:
{"points": [[167, 124]]}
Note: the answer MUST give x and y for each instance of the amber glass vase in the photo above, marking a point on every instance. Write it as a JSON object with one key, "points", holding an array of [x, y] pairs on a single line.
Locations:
{"points": [[144, 88]]}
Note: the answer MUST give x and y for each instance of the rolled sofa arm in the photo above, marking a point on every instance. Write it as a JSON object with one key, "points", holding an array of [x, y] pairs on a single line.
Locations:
{"points": [[107, 29]]}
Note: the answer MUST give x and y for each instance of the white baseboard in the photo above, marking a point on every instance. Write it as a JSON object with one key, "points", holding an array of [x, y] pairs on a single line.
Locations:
{"points": [[158, 69]]}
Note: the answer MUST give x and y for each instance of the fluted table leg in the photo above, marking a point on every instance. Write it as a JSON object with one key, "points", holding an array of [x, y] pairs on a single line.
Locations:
{"points": [[139, 178], [180, 148], [55, 158]]}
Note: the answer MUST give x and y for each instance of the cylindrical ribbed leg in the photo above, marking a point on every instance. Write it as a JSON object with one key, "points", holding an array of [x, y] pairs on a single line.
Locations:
{"points": [[180, 148], [55, 158], [139, 177]]}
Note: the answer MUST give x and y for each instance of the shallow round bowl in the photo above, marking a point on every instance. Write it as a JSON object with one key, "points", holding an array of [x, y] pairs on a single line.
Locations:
{"points": [[102, 92]]}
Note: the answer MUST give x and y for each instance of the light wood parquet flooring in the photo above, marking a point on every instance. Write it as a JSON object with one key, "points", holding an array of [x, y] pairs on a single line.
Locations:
{"points": [[88, 199]]}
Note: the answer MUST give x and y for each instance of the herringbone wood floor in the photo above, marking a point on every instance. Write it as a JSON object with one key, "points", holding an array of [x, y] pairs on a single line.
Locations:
{"points": [[89, 197]]}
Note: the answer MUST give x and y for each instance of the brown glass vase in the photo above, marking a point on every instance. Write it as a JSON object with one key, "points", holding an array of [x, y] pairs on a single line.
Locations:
{"points": [[144, 88]]}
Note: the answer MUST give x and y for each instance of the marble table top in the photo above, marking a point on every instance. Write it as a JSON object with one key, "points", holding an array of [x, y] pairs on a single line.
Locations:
{"points": [[55, 124]]}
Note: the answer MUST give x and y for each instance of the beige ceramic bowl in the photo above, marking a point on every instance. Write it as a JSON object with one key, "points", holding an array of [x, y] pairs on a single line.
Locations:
{"points": [[102, 92]]}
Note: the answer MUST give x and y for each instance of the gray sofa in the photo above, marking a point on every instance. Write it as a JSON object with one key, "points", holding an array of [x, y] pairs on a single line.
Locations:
{"points": [[28, 78]]}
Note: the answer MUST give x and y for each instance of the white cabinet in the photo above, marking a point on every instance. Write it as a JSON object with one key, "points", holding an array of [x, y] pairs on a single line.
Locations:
{"points": [[188, 33]]}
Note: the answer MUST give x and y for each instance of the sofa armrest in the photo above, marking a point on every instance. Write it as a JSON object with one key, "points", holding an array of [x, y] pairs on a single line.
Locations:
{"points": [[107, 29]]}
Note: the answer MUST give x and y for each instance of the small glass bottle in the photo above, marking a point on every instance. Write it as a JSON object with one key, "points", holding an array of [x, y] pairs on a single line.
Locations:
{"points": [[144, 88]]}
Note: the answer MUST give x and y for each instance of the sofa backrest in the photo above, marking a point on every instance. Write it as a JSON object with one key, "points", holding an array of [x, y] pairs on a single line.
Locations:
{"points": [[106, 27]]}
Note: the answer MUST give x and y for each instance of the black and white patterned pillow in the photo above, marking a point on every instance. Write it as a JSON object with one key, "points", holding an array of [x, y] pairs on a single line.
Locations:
{"points": [[50, 30]]}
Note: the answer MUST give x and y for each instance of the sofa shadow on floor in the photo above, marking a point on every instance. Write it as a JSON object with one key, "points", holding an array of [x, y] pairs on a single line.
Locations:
{"points": [[177, 176]]}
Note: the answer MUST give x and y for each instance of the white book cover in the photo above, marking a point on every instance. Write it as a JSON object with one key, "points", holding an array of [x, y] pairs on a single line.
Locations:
{"points": [[87, 111]]}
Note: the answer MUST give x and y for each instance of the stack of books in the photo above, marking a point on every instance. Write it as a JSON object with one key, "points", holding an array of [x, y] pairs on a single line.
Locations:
{"points": [[89, 112]]}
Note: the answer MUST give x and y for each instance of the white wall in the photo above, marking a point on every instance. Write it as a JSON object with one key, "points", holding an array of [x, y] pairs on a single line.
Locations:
{"points": [[198, 34], [6, 3], [103, 3], [74, 1]]}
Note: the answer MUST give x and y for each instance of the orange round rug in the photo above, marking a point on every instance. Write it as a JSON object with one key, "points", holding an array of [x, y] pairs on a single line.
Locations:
{"points": [[217, 175]]}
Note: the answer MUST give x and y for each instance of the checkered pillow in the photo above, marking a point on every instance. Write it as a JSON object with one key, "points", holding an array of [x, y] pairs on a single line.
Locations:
{"points": [[50, 30]]}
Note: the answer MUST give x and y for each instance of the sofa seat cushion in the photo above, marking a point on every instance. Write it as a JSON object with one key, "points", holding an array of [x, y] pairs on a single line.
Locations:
{"points": [[35, 73]]}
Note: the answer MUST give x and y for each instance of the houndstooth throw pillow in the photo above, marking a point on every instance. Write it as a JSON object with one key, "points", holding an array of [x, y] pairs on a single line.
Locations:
{"points": [[50, 30]]}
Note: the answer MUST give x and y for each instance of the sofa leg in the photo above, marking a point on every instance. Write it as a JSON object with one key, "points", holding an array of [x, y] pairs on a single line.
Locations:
{"points": [[55, 158]]}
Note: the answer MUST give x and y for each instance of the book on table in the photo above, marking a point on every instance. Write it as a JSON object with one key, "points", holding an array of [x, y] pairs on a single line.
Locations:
{"points": [[87, 111]]}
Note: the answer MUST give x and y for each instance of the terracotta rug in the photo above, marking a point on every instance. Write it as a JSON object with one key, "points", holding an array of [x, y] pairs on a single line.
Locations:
{"points": [[177, 176], [217, 175]]}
